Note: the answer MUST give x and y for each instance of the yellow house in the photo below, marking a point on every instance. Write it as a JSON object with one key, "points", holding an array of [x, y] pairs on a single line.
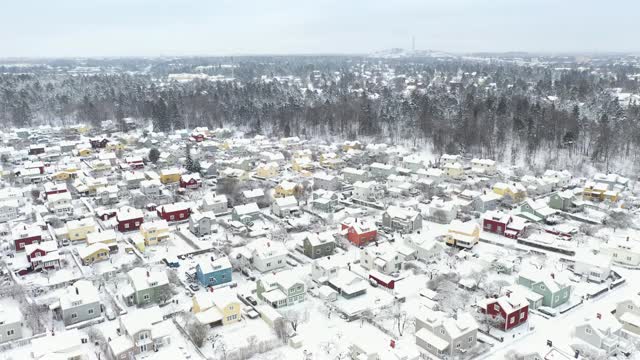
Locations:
{"points": [[93, 184], [301, 165], [169, 176], [115, 146], [351, 145], [464, 235], [94, 253], [218, 307], [286, 188], [100, 165], [84, 151], [516, 191], [107, 237], [267, 170], [154, 232], [454, 170], [61, 176], [599, 192], [78, 229], [138, 240]]}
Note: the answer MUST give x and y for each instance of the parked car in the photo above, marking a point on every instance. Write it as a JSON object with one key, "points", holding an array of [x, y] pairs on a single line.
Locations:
{"points": [[171, 262], [194, 287], [252, 301]]}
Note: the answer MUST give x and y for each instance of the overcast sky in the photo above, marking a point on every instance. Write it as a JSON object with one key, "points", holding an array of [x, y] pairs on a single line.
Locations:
{"points": [[48, 28]]}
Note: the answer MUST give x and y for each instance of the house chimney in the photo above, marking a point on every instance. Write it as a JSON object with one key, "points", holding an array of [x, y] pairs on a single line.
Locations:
{"points": [[77, 291], [599, 316], [212, 258], [553, 276], [148, 273], [508, 293]]}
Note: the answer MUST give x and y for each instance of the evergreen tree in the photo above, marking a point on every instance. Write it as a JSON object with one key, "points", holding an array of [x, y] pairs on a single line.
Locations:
{"points": [[188, 162], [154, 155]]}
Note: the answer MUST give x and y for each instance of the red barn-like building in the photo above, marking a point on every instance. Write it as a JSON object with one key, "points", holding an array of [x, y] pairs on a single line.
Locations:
{"points": [[24, 235], [358, 231], [512, 309], [43, 255], [129, 219], [190, 181], [174, 212], [503, 224]]}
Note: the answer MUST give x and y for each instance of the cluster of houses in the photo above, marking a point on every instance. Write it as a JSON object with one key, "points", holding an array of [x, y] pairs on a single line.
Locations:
{"points": [[370, 214]]}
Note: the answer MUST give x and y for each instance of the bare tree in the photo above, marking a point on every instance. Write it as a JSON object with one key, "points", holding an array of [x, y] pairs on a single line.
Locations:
{"points": [[280, 327], [197, 331], [296, 317]]}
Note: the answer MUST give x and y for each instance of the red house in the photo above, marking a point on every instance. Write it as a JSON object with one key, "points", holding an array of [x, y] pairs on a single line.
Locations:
{"points": [[24, 235], [174, 212], [503, 224], [382, 279], [135, 162], [43, 255], [358, 231], [513, 310], [129, 219], [105, 214], [54, 188], [197, 138], [190, 181]]}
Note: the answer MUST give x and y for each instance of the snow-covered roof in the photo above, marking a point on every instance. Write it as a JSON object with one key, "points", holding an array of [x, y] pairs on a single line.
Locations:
{"points": [[82, 292], [142, 279]]}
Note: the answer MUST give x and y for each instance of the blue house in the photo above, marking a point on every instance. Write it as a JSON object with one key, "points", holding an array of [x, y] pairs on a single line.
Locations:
{"points": [[214, 272]]}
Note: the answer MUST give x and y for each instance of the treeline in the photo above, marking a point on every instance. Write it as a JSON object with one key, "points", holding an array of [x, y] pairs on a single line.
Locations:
{"points": [[496, 109]]}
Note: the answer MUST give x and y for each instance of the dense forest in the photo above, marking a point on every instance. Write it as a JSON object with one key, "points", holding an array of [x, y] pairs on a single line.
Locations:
{"points": [[503, 108]]}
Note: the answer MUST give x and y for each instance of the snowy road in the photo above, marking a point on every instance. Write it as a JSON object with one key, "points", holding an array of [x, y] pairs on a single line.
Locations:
{"points": [[559, 328]]}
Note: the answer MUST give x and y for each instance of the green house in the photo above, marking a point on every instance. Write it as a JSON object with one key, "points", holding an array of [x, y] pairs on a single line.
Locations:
{"points": [[562, 201], [555, 292]]}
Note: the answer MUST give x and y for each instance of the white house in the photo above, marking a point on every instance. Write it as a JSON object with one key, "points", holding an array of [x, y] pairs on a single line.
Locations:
{"points": [[267, 255]]}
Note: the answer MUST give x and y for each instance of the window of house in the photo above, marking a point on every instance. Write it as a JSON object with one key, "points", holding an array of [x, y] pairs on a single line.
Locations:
{"points": [[470, 339], [126, 225], [279, 261], [146, 297], [458, 346], [90, 311], [172, 217], [628, 258], [615, 254], [512, 320], [630, 307], [74, 315], [137, 223], [587, 330], [542, 287], [10, 332], [522, 315], [442, 331], [268, 264], [181, 216]]}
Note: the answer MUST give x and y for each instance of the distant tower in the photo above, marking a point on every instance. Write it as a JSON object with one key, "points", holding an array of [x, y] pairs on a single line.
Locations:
{"points": [[413, 43]]}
